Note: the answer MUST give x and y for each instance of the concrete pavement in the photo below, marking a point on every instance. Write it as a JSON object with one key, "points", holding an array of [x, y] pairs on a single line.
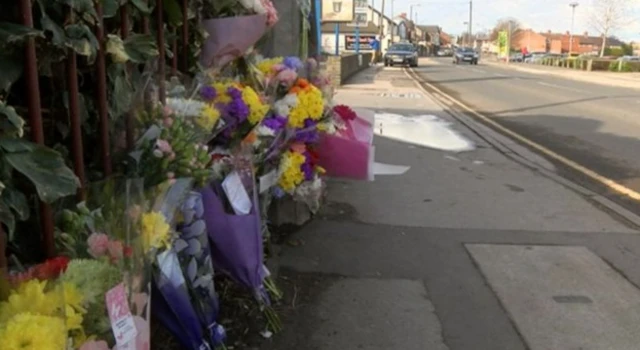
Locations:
{"points": [[457, 253]]}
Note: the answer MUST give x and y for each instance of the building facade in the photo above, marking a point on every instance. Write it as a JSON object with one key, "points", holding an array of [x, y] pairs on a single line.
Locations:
{"points": [[347, 33]]}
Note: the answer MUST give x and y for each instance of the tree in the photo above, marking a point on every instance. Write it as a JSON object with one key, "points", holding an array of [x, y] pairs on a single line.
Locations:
{"points": [[607, 16], [505, 24]]}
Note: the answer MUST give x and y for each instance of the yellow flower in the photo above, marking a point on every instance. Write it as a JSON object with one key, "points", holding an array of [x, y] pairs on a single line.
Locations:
{"points": [[30, 297], [320, 170], [221, 92], [155, 231], [257, 109], [73, 318], [208, 118], [73, 297], [291, 173], [26, 331], [266, 66]]}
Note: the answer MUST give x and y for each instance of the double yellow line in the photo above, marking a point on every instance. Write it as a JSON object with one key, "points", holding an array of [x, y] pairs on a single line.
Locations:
{"points": [[607, 182]]}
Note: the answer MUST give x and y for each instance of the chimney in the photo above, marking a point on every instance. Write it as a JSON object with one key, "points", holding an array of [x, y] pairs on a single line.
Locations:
{"points": [[548, 32], [568, 33], [586, 34]]}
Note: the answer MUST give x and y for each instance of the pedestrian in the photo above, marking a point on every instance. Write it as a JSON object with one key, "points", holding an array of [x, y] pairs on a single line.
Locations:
{"points": [[375, 46]]}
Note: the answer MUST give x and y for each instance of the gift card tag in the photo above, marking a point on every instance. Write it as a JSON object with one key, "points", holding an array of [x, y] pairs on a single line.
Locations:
{"points": [[268, 180], [237, 194], [122, 324]]}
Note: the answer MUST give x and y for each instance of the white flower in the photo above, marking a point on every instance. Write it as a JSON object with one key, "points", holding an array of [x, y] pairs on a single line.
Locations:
{"points": [[265, 131], [185, 108]]}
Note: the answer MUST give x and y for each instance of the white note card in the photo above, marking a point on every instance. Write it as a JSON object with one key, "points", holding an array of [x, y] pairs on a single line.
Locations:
{"points": [[237, 194]]}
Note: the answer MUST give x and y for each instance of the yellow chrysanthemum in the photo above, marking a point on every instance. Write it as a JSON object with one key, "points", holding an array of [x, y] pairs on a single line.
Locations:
{"points": [[208, 118], [155, 231], [30, 297], [257, 109], [291, 173], [27, 331], [73, 297], [266, 66], [221, 92], [310, 105]]}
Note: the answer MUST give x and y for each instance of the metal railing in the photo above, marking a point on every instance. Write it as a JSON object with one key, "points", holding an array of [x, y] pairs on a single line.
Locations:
{"points": [[34, 107]]}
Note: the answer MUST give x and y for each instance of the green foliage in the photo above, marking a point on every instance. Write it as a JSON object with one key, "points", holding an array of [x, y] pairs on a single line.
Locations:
{"points": [[42, 166]]}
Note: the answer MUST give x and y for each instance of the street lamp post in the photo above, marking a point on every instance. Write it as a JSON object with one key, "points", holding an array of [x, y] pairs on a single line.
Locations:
{"points": [[411, 10], [464, 37], [573, 15]]}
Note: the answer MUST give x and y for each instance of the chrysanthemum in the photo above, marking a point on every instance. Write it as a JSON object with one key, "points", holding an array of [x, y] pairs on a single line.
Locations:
{"points": [[27, 331], [155, 231]]}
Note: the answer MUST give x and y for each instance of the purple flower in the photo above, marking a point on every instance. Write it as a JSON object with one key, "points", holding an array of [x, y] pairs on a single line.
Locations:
{"points": [[275, 123], [208, 93], [292, 62], [307, 167], [234, 93], [236, 111], [308, 134]]}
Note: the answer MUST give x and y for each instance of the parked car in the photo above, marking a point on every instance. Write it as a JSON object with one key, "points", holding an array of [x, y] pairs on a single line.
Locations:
{"points": [[466, 54], [444, 53], [401, 54], [535, 57], [516, 57]]}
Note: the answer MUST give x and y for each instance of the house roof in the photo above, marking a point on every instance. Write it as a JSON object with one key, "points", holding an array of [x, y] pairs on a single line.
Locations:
{"points": [[347, 29], [585, 39], [597, 41], [429, 28]]}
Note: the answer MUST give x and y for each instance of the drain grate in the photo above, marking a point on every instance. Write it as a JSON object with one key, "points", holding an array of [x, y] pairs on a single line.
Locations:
{"points": [[410, 95]]}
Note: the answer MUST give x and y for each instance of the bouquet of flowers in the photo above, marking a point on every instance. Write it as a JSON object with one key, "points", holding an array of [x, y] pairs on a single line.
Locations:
{"points": [[115, 242], [233, 26], [300, 176], [172, 145]]}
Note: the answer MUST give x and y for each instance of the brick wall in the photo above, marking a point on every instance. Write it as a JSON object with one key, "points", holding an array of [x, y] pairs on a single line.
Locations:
{"points": [[341, 68]]}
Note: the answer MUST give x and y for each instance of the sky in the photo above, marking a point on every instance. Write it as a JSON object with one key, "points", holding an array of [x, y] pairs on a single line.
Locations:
{"points": [[539, 15]]}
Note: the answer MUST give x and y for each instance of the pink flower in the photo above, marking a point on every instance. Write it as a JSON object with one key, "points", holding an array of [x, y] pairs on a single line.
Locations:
{"points": [[287, 76], [272, 13], [98, 244], [298, 147], [116, 250], [167, 121], [95, 345], [164, 146], [278, 67]]}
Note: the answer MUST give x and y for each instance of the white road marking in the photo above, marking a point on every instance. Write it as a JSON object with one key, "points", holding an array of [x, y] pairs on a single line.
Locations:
{"points": [[561, 87], [478, 70]]}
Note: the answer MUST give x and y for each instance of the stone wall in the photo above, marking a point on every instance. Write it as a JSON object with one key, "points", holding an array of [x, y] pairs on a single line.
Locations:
{"points": [[285, 37], [341, 68]]}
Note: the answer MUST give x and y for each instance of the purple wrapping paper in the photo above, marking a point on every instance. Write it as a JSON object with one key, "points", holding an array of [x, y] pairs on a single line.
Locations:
{"points": [[236, 240], [230, 37], [173, 308]]}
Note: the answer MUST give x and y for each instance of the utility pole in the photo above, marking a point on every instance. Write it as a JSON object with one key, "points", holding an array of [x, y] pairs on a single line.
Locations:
{"points": [[471, 22], [573, 15], [509, 42], [382, 21]]}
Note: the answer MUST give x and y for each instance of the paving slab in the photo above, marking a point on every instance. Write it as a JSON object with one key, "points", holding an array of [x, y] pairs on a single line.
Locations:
{"points": [[562, 297], [364, 313]]}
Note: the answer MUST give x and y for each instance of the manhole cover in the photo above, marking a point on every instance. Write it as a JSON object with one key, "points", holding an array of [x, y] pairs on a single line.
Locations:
{"points": [[410, 95]]}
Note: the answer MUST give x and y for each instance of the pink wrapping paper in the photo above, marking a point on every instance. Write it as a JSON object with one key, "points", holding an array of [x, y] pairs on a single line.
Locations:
{"points": [[349, 153], [230, 37]]}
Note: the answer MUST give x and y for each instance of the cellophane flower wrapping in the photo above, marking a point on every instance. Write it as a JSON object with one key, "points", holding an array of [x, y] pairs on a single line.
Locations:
{"points": [[232, 27], [34, 312], [171, 135], [194, 255]]}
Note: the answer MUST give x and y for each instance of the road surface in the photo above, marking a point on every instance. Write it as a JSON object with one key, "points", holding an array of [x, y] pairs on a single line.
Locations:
{"points": [[594, 125]]}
